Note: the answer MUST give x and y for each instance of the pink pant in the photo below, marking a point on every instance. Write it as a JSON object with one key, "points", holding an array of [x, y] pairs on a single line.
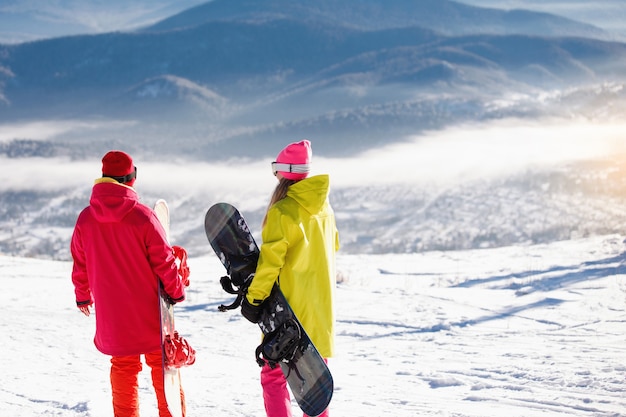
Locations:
{"points": [[275, 393]]}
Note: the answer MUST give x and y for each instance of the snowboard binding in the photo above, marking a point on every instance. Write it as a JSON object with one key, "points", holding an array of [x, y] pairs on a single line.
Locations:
{"points": [[241, 272], [280, 345]]}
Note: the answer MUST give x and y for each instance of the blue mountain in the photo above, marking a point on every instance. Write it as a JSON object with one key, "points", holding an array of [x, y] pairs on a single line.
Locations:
{"points": [[247, 72]]}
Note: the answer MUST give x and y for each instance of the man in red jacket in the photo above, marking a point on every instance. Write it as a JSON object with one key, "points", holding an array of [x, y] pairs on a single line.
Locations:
{"points": [[121, 256]]}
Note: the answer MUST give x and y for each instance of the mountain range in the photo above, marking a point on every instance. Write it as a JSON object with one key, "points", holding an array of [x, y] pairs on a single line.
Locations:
{"points": [[230, 82], [354, 74]]}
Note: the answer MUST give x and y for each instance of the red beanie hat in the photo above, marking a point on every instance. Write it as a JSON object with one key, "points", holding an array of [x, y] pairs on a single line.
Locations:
{"points": [[293, 161], [119, 166]]}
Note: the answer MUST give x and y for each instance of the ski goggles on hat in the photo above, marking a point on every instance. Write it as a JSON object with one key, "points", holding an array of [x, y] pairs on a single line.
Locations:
{"points": [[125, 178], [295, 168]]}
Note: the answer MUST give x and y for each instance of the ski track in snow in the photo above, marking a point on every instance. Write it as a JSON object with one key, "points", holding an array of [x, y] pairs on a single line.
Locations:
{"points": [[517, 331]]}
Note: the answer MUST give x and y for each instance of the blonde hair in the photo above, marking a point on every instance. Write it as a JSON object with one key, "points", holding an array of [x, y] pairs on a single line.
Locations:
{"points": [[279, 193]]}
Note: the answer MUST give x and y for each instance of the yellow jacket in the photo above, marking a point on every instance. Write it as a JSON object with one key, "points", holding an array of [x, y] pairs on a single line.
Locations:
{"points": [[300, 239]]}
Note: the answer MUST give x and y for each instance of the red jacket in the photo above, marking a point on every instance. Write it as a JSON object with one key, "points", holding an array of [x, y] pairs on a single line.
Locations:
{"points": [[120, 254]]}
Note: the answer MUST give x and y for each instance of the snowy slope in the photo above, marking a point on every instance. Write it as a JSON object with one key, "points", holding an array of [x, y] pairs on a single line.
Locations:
{"points": [[515, 331]]}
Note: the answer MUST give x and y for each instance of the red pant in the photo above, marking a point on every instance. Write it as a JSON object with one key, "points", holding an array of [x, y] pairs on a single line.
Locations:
{"points": [[275, 393], [124, 384]]}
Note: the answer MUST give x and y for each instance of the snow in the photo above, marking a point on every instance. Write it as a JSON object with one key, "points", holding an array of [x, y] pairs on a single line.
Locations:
{"points": [[514, 331]]}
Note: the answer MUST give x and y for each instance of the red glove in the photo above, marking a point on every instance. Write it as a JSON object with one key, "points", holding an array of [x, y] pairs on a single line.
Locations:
{"points": [[181, 261]]}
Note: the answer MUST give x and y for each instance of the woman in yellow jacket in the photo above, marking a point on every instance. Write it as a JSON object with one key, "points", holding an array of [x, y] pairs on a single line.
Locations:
{"points": [[300, 239]]}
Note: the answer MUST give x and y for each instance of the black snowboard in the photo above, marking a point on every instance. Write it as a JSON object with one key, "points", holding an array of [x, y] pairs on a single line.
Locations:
{"points": [[284, 342]]}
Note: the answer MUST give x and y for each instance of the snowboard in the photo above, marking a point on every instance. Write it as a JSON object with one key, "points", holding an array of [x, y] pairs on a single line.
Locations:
{"points": [[285, 342], [171, 376]]}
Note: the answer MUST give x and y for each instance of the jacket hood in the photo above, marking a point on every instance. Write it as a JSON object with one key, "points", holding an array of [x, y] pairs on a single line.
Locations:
{"points": [[111, 201], [311, 193]]}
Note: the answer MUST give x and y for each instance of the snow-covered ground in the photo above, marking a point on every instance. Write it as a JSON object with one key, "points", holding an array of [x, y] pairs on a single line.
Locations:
{"points": [[515, 331]]}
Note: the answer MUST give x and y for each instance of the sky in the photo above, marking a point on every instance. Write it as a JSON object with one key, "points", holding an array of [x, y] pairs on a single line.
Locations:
{"points": [[512, 332]]}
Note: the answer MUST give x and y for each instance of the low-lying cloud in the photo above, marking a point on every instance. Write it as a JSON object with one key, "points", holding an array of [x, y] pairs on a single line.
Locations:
{"points": [[478, 151], [452, 155]]}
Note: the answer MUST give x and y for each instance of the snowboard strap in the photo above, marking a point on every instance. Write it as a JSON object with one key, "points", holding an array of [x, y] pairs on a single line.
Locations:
{"points": [[279, 345], [180, 255], [227, 285], [241, 271], [178, 351], [294, 367]]}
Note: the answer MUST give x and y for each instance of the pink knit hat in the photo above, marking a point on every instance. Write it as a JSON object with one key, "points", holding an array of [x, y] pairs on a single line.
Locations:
{"points": [[293, 161]]}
